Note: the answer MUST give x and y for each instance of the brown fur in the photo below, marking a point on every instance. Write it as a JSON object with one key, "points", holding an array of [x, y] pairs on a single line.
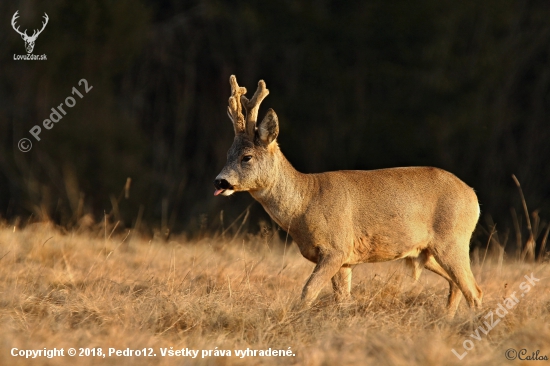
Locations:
{"points": [[342, 218]]}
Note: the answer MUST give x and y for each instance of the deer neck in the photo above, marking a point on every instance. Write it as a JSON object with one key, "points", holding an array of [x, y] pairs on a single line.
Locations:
{"points": [[286, 194]]}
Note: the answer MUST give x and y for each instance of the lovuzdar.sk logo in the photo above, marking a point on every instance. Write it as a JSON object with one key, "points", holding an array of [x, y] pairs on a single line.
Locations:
{"points": [[29, 40]]}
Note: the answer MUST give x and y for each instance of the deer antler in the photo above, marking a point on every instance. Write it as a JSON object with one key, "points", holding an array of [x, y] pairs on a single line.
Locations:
{"points": [[37, 32], [13, 19], [253, 105], [234, 110], [46, 18]]}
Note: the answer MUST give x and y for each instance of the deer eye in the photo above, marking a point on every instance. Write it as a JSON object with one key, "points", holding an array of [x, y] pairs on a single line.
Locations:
{"points": [[246, 158]]}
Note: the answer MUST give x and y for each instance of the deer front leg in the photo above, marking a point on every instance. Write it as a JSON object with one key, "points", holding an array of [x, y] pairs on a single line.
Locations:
{"points": [[341, 284], [326, 268]]}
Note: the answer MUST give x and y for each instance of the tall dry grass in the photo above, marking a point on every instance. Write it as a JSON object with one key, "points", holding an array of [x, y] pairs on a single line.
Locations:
{"points": [[84, 290]]}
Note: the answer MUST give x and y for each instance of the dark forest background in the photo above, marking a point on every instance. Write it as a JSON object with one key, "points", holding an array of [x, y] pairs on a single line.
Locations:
{"points": [[461, 85]]}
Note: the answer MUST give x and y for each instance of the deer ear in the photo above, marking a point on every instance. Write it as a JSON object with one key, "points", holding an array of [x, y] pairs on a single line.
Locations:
{"points": [[268, 129]]}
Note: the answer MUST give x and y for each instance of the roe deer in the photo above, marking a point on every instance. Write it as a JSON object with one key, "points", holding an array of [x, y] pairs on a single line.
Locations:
{"points": [[342, 218]]}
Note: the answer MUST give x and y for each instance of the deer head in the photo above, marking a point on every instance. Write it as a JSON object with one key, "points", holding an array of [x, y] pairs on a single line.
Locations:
{"points": [[29, 40], [254, 151]]}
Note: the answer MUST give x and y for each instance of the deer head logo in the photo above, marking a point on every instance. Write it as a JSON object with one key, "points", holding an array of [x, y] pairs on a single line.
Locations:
{"points": [[29, 40]]}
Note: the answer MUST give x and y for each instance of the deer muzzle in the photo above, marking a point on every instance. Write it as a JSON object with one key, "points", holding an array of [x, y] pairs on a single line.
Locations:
{"points": [[223, 187]]}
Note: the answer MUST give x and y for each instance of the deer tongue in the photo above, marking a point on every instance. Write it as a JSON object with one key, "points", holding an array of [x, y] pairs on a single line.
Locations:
{"points": [[218, 191]]}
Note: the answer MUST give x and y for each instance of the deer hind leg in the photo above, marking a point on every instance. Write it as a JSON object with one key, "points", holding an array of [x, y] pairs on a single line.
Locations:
{"points": [[454, 291], [417, 264], [341, 284], [426, 260], [455, 260]]}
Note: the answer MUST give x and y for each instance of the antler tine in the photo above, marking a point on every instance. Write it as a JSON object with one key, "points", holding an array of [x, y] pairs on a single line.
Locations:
{"points": [[45, 22], [46, 18], [234, 110], [13, 19], [253, 105]]}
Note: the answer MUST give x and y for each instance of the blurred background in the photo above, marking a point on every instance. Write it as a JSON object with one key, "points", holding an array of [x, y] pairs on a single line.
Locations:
{"points": [[460, 85]]}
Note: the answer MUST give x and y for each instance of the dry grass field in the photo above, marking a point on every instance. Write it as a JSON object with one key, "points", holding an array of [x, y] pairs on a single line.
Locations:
{"points": [[85, 290]]}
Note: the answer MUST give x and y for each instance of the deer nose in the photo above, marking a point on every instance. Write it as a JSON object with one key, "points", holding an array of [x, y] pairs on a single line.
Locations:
{"points": [[222, 184]]}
